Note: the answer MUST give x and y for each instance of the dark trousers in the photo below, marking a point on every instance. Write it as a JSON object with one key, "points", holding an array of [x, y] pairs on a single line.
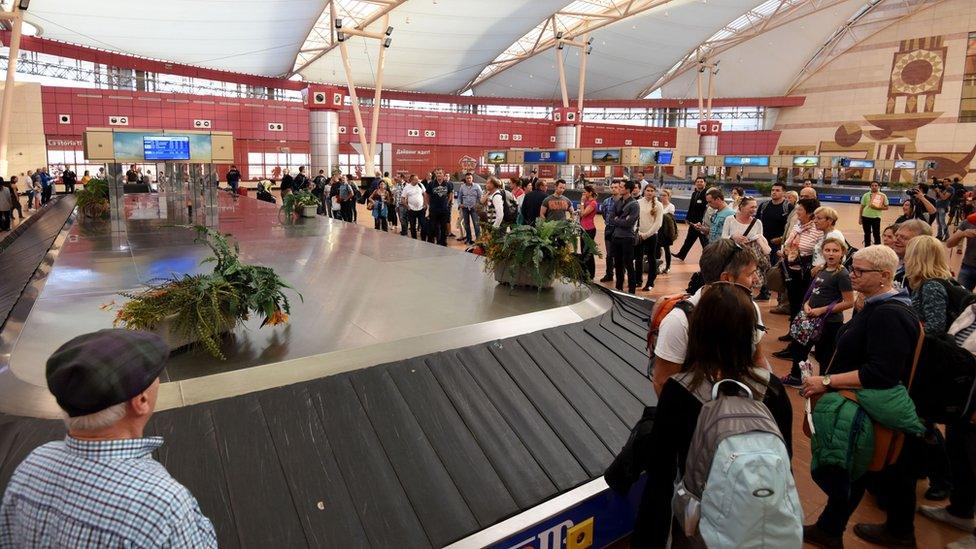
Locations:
{"points": [[46, 194], [897, 483], [381, 223], [608, 244], [960, 444], [936, 459], [348, 209], [5, 217], [438, 227], [646, 247], [589, 262], [690, 239], [623, 252], [411, 220], [773, 259], [871, 226], [18, 207], [393, 215], [796, 288], [824, 348], [70, 188], [666, 248]]}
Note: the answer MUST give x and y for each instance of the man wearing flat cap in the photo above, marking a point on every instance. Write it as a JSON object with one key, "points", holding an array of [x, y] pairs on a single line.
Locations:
{"points": [[100, 486]]}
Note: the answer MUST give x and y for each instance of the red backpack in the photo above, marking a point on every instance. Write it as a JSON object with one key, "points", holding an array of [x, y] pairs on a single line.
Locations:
{"points": [[661, 308]]}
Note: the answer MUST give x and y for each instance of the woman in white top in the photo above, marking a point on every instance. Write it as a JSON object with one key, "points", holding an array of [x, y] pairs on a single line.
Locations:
{"points": [[648, 224], [747, 231], [825, 219]]}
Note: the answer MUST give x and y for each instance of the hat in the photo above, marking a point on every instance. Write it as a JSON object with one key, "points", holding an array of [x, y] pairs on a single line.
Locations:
{"points": [[95, 371]]}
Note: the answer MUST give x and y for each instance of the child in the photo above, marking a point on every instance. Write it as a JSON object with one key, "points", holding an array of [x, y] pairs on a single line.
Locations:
{"points": [[830, 294]]}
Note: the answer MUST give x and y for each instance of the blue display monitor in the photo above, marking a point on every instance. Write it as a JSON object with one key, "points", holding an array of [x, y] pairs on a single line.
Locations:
{"points": [[857, 163], [166, 147], [545, 157], [695, 160], [664, 157], [905, 164], [747, 161], [806, 161]]}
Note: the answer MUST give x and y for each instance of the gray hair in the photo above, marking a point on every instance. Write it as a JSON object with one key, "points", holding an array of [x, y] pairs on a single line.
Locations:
{"points": [[98, 420], [916, 226], [880, 257]]}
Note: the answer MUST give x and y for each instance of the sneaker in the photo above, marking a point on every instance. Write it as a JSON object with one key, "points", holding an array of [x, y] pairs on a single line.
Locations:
{"points": [[879, 535], [942, 514], [607, 279], [813, 535], [791, 381], [968, 542], [785, 337]]}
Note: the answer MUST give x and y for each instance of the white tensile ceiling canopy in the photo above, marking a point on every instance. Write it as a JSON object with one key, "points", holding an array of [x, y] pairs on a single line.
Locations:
{"points": [[502, 48]]}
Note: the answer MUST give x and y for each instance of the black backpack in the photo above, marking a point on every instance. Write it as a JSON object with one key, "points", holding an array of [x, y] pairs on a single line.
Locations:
{"points": [[945, 381], [511, 208]]}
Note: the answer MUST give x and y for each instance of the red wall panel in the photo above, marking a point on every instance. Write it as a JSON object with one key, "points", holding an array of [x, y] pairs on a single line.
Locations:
{"points": [[761, 142]]}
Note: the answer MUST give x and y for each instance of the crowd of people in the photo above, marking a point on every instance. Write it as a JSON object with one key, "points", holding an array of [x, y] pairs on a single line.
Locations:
{"points": [[865, 325]]}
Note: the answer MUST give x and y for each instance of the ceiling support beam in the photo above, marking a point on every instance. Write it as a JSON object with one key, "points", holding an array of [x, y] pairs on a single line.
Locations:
{"points": [[572, 24], [16, 19]]}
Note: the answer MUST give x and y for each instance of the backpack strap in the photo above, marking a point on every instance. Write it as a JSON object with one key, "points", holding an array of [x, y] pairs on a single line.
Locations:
{"points": [[704, 391]]}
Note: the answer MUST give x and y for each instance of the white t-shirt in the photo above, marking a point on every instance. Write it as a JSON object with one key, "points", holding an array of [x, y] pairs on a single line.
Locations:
{"points": [[414, 195], [669, 209], [734, 227], [672, 337]]}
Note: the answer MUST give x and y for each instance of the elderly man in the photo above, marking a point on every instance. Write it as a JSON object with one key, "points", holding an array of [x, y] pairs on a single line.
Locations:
{"points": [[100, 487]]}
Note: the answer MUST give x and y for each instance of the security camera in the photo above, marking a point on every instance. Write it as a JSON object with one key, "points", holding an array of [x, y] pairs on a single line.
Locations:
{"points": [[389, 31], [387, 42], [338, 22]]}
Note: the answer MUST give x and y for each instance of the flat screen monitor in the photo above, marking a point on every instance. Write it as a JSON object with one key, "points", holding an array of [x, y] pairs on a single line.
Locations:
{"points": [[694, 160], [664, 157], [495, 157], [905, 164], [747, 161], [166, 147], [806, 161], [545, 157], [859, 163], [606, 156]]}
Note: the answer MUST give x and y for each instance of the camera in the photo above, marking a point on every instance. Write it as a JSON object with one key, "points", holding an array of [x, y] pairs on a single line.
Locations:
{"points": [[911, 192]]}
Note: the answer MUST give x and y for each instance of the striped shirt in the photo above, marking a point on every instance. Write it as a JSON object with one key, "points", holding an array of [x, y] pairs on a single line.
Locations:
{"points": [[962, 335], [804, 238], [109, 493]]}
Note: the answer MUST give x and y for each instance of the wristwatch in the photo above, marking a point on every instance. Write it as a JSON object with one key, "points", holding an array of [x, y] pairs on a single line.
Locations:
{"points": [[826, 380]]}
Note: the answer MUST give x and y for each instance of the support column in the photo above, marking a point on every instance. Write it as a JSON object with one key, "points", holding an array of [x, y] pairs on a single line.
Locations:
{"points": [[6, 107], [708, 131], [323, 103], [567, 130]]}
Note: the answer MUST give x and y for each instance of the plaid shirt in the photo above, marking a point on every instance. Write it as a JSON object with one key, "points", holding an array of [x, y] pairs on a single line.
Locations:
{"points": [[79, 493]]}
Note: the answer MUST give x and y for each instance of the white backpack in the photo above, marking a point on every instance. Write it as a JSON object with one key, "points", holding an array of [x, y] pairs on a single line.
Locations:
{"points": [[738, 488]]}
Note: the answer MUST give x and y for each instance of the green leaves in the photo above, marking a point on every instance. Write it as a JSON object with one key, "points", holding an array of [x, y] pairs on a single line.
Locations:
{"points": [[545, 250]]}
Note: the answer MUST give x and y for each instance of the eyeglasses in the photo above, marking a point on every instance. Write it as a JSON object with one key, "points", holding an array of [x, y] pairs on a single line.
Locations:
{"points": [[859, 272]]}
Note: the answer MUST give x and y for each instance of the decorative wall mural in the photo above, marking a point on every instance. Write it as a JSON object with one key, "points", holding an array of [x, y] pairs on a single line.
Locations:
{"points": [[916, 78]]}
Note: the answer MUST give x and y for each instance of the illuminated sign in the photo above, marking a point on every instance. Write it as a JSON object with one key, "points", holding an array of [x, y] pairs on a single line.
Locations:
{"points": [[545, 157], [747, 161]]}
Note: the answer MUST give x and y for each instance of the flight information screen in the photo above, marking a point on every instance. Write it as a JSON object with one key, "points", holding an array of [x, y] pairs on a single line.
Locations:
{"points": [[166, 147]]}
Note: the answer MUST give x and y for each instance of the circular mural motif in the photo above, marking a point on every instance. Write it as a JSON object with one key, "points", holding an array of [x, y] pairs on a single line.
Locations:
{"points": [[917, 72], [847, 135]]}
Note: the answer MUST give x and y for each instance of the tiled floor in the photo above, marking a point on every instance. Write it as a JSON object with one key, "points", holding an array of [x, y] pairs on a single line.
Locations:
{"points": [[928, 533]]}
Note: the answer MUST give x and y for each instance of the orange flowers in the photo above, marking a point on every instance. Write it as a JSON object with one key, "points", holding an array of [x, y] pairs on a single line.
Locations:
{"points": [[279, 317]]}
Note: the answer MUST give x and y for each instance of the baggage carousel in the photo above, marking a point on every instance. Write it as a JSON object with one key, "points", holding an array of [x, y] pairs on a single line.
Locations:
{"points": [[410, 402]]}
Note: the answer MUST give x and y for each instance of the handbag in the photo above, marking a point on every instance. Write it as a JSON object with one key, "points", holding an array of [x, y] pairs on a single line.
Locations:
{"points": [[807, 329], [887, 442], [775, 278]]}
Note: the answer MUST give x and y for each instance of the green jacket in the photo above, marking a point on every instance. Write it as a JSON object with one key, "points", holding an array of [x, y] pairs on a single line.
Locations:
{"points": [[844, 433]]}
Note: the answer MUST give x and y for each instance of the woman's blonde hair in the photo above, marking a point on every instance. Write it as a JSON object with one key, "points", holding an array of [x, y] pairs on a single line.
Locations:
{"points": [[793, 194], [828, 212], [925, 258]]}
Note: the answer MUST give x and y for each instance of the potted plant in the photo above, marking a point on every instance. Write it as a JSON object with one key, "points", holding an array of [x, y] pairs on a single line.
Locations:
{"points": [[92, 199], [200, 308], [538, 255], [302, 202]]}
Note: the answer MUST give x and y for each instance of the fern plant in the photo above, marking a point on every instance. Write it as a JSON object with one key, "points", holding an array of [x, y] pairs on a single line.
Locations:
{"points": [[205, 306], [548, 250], [92, 199], [292, 201]]}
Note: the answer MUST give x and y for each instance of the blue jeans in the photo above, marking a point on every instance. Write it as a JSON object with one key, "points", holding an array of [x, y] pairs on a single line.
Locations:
{"points": [[940, 219], [469, 215], [967, 276]]}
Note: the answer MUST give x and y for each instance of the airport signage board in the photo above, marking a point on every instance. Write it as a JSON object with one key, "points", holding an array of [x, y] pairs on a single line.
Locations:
{"points": [[166, 147], [545, 157], [747, 161]]}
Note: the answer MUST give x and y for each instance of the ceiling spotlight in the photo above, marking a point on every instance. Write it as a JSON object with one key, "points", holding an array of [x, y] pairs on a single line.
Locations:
{"points": [[387, 42], [389, 31], [560, 46], [23, 5], [590, 41], [717, 62], [559, 35], [338, 22], [341, 36], [589, 50]]}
